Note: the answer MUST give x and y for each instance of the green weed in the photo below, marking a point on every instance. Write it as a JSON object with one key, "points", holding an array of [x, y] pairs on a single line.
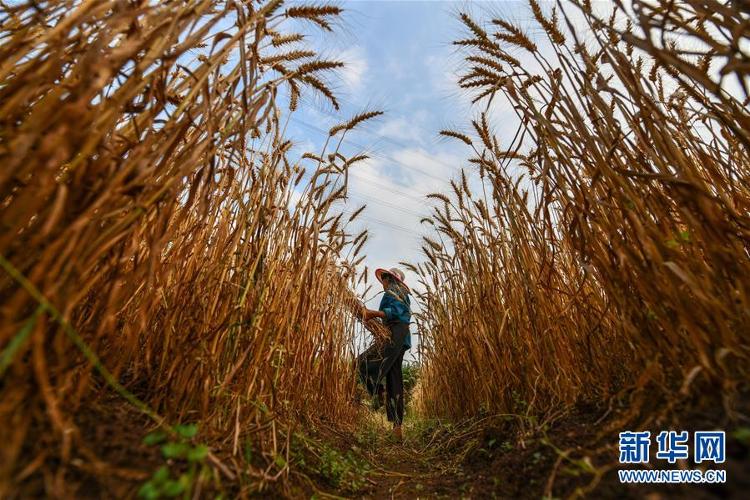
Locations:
{"points": [[185, 463]]}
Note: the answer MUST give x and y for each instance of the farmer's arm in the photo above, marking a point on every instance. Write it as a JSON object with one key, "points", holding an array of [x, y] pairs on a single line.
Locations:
{"points": [[371, 313]]}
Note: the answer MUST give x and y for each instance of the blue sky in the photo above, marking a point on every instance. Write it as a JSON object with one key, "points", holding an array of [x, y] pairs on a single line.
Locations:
{"points": [[400, 59]]}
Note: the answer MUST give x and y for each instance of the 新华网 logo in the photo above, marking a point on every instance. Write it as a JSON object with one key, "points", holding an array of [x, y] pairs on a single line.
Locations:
{"points": [[671, 446]]}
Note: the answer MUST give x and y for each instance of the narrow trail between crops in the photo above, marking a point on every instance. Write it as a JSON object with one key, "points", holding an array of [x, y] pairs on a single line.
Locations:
{"points": [[408, 472], [465, 470], [471, 460], [412, 472]]}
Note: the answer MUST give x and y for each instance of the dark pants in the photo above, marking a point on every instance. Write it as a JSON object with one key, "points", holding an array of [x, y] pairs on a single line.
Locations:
{"points": [[378, 365]]}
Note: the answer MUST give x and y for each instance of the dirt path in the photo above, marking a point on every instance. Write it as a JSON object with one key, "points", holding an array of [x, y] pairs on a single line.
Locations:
{"points": [[406, 472], [436, 466]]}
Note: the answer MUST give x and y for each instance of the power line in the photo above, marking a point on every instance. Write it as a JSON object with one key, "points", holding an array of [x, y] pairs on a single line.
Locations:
{"points": [[390, 189], [388, 224], [365, 198], [384, 223]]}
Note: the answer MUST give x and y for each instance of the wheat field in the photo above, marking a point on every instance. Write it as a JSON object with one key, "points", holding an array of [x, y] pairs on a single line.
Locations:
{"points": [[610, 237], [165, 249]]}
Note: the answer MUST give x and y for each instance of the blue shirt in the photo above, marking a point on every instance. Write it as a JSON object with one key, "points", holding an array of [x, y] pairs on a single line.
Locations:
{"points": [[397, 307]]}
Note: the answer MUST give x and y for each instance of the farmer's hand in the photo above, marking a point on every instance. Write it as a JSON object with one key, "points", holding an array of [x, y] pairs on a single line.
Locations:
{"points": [[370, 314]]}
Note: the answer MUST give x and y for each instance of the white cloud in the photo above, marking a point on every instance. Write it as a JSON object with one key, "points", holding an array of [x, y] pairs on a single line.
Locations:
{"points": [[353, 73], [399, 128]]}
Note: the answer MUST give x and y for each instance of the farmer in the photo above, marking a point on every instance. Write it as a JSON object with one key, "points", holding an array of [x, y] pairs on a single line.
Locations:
{"points": [[378, 364]]}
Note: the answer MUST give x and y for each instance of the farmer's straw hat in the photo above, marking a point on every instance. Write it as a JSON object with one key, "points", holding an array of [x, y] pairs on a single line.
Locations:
{"points": [[395, 272]]}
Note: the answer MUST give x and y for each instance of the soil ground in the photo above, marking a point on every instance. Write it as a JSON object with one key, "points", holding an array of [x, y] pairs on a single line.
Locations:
{"points": [[574, 454]]}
